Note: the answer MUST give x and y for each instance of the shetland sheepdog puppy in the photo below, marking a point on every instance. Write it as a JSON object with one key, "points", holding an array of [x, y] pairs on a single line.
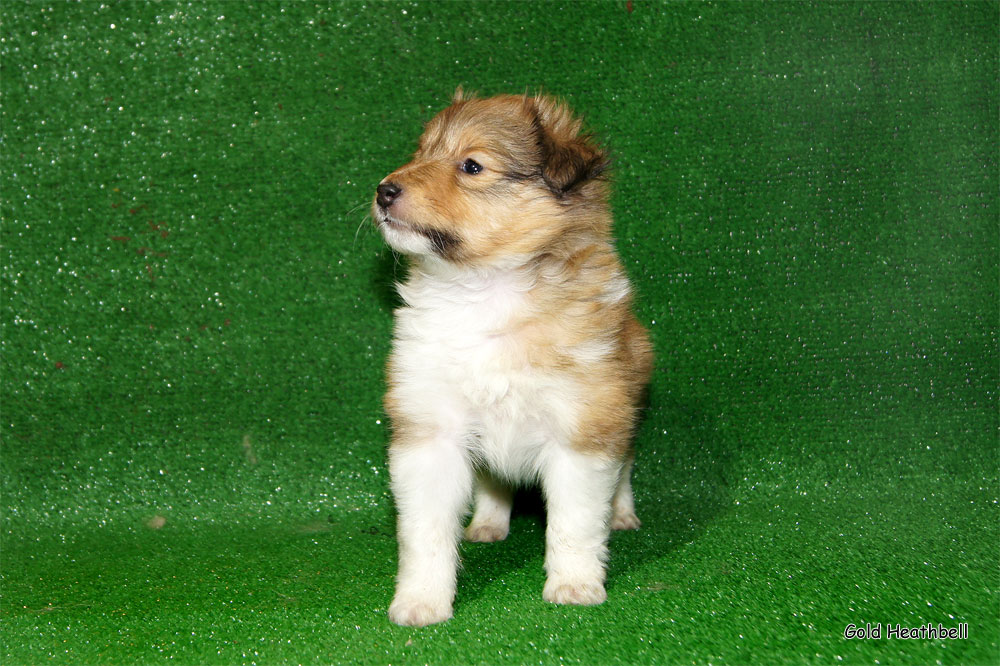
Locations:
{"points": [[516, 357]]}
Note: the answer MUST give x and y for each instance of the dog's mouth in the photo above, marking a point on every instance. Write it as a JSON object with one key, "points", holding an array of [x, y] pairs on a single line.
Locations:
{"points": [[383, 218], [442, 243]]}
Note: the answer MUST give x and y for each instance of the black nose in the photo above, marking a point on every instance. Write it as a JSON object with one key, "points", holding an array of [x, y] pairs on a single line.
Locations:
{"points": [[387, 193]]}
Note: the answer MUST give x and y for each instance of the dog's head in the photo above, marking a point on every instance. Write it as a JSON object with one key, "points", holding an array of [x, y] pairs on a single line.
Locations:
{"points": [[494, 178]]}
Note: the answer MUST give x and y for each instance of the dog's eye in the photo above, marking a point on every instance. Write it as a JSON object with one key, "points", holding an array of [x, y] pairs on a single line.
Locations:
{"points": [[471, 167]]}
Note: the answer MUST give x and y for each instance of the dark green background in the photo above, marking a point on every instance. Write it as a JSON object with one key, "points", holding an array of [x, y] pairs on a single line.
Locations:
{"points": [[196, 315]]}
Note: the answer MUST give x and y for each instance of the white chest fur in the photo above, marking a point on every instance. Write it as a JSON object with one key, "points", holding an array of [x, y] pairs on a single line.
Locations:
{"points": [[461, 369]]}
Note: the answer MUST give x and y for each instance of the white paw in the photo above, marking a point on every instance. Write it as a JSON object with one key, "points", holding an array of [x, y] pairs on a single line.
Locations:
{"points": [[417, 613], [578, 594], [625, 520], [485, 533]]}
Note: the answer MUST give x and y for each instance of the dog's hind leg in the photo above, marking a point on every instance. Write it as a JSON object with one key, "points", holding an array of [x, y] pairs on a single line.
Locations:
{"points": [[623, 506], [491, 519]]}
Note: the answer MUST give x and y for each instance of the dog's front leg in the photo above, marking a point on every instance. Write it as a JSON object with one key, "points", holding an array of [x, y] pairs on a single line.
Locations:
{"points": [[578, 490], [431, 482]]}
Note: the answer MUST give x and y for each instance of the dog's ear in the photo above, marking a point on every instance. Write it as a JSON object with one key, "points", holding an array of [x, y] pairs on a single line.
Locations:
{"points": [[568, 165], [568, 158]]}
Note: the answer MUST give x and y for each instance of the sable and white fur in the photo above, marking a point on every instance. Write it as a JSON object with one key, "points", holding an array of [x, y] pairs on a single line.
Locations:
{"points": [[516, 356]]}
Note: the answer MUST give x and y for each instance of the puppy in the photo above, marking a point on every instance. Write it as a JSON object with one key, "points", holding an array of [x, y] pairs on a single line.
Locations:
{"points": [[516, 356]]}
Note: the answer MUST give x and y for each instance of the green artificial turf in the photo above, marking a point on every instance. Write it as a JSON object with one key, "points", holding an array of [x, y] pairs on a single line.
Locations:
{"points": [[196, 316]]}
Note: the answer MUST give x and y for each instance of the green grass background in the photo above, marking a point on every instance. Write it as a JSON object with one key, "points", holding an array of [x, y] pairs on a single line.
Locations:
{"points": [[196, 316]]}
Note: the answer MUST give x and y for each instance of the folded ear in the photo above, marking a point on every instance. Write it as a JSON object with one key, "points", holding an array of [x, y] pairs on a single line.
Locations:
{"points": [[569, 159], [567, 166]]}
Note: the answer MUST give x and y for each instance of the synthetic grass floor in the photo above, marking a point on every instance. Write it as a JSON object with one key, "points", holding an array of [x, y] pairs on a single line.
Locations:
{"points": [[196, 315]]}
